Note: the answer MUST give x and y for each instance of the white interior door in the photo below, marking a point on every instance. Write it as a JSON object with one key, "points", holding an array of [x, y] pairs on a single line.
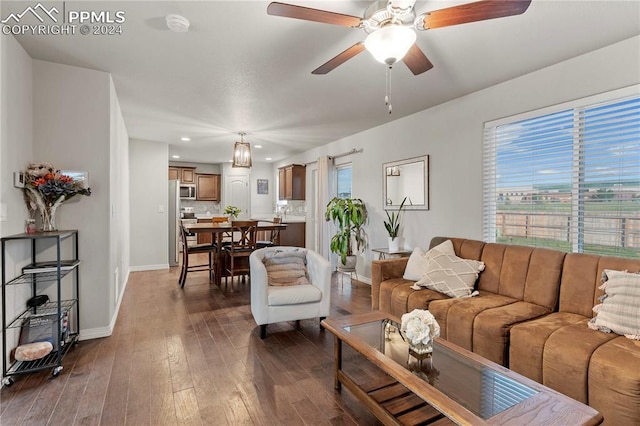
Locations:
{"points": [[237, 193]]}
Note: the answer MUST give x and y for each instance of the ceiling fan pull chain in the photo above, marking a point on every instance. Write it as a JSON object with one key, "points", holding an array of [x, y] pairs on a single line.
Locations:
{"points": [[387, 97]]}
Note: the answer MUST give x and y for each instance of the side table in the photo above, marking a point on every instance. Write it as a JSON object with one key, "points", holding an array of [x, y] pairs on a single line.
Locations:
{"points": [[385, 253]]}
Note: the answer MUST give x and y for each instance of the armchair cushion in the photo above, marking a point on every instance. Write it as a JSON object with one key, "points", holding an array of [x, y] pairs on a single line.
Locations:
{"points": [[293, 295], [286, 268]]}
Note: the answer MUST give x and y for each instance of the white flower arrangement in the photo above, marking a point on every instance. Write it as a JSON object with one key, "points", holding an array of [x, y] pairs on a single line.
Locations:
{"points": [[419, 327]]}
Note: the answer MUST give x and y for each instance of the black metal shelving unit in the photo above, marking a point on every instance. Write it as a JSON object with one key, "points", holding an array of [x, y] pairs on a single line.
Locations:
{"points": [[36, 275]]}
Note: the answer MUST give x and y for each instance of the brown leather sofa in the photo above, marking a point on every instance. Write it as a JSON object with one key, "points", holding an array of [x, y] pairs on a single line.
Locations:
{"points": [[531, 316]]}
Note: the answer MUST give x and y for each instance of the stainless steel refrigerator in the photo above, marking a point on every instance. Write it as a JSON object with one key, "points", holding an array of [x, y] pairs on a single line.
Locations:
{"points": [[174, 226]]}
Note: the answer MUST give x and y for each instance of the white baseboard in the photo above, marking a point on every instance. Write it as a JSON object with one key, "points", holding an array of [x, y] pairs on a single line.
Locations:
{"points": [[363, 279], [148, 267], [96, 333]]}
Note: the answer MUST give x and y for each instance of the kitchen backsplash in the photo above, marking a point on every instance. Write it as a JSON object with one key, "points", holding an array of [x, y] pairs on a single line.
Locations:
{"points": [[202, 207], [291, 207]]}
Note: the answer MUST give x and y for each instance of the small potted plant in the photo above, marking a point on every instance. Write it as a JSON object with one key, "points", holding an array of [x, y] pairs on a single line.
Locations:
{"points": [[232, 212], [349, 215], [392, 225]]}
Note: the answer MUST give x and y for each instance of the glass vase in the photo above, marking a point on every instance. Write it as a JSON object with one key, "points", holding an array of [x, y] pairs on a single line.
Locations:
{"points": [[48, 218]]}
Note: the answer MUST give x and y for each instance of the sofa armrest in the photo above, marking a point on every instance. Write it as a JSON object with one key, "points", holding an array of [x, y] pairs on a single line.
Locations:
{"points": [[382, 270]]}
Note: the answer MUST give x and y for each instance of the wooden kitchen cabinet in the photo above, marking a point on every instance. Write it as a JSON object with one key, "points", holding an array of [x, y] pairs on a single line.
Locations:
{"points": [[174, 173], [294, 235], [203, 237], [183, 174], [207, 187], [292, 180]]}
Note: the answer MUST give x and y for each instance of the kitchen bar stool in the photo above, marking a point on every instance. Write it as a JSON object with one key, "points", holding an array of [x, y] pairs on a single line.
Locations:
{"points": [[210, 249]]}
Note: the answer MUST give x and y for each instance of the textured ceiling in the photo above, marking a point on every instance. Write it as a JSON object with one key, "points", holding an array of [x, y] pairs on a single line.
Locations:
{"points": [[239, 69]]}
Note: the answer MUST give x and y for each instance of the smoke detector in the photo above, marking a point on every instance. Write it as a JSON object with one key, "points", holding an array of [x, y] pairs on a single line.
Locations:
{"points": [[177, 23]]}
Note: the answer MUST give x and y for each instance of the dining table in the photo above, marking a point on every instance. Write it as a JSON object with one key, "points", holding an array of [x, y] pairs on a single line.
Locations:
{"points": [[218, 231]]}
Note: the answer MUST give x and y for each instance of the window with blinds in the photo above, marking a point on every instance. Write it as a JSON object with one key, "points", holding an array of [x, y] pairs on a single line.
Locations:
{"points": [[567, 178]]}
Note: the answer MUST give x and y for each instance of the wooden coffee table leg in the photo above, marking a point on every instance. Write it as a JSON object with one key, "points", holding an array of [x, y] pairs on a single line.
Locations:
{"points": [[337, 364]]}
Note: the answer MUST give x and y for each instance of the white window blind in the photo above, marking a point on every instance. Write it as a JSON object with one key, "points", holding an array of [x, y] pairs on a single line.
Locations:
{"points": [[567, 179]]}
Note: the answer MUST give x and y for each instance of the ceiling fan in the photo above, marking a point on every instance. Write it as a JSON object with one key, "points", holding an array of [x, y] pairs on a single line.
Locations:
{"points": [[390, 26]]}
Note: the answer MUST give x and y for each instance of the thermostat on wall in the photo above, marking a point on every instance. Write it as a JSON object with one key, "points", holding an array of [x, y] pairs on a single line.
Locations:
{"points": [[18, 179]]}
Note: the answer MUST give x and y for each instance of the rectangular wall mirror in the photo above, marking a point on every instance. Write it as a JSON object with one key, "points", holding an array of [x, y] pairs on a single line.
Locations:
{"points": [[406, 178]]}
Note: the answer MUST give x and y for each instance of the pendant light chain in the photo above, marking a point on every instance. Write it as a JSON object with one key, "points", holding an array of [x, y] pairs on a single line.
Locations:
{"points": [[387, 97]]}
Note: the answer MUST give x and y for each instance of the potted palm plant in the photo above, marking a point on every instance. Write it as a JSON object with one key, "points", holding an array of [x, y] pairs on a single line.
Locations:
{"points": [[349, 215], [392, 225]]}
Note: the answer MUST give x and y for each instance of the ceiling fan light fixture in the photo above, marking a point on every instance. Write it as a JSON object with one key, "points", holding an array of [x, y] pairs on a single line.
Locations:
{"points": [[242, 153], [388, 45]]}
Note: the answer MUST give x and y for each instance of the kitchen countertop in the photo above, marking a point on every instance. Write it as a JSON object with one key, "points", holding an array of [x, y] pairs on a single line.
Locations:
{"points": [[265, 217], [286, 219]]}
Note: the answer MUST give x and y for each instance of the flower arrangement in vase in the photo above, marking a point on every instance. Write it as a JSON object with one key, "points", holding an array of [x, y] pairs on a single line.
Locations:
{"points": [[419, 328], [45, 189], [232, 212]]}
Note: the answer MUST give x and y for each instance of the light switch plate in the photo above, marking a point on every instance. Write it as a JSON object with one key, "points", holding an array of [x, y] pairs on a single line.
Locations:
{"points": [[18, 179], [161, 208]]}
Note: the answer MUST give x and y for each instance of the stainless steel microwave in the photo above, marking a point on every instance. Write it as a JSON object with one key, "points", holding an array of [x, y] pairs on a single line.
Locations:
{"points": [[187, 191]]}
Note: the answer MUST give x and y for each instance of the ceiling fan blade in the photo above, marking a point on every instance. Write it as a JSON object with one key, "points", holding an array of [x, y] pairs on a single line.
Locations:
{"points": [[473, 12], [339, 59], [416, 60], [316, 15]]}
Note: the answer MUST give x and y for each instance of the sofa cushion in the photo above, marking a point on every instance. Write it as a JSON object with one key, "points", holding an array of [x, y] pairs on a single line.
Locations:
{"points": [[620, 308], [566, 356], [418, 262], [614, 383], [450, 275], [527, 340], [456, 316], [492, 326], [293, 295], [387, 288], [286, 268]]}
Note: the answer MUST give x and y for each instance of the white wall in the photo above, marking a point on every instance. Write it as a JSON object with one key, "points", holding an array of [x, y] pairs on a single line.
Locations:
{"points": [[74, 129], [119, 261], [149, 189], [262, 203], [16, 137], [451, 134]]}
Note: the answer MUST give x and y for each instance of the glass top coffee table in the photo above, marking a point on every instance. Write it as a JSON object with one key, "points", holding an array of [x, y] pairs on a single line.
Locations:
{"points": [[453, 386]]}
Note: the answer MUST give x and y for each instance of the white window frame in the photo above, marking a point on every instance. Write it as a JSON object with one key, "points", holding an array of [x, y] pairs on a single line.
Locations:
{"points": [[337, 170], [490, 152]]}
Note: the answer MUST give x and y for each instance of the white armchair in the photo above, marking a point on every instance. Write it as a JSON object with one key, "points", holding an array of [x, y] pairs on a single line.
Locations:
{"points": [[271, 304]]}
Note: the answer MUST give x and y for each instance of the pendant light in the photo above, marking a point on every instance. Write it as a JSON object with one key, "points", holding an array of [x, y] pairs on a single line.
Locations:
{"points": [[242, 153]]}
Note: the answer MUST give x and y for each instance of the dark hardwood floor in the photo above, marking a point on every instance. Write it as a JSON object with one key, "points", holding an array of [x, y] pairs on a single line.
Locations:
{"points": [[194, 356]]}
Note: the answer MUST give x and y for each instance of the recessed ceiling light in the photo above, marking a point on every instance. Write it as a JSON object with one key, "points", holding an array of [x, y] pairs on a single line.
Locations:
{"points": [[257, 146], [268, 158], [185, 139], [175, 156]]}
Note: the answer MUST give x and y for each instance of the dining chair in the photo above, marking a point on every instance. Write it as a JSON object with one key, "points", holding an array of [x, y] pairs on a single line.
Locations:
{"points": [[272, 237], [211, 251], [243, 243]]}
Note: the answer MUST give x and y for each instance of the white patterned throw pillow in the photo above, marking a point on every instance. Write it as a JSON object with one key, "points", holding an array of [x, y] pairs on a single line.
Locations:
{"points": [[620, 308], [419, 260], [451, 275]]}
